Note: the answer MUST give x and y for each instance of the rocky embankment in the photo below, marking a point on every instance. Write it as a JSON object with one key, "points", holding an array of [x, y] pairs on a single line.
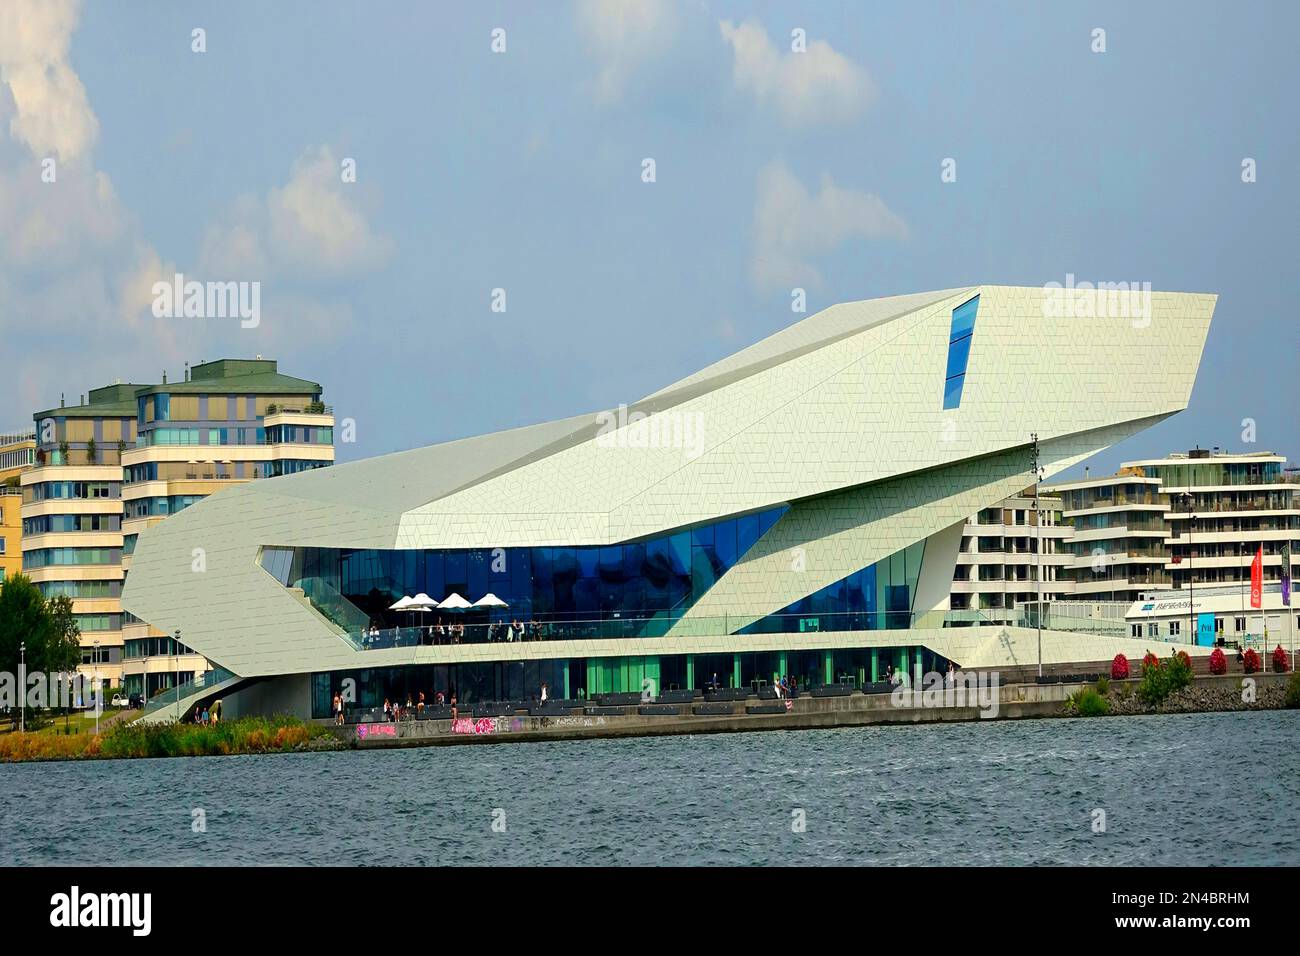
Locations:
{"points": [[1200, 697]]}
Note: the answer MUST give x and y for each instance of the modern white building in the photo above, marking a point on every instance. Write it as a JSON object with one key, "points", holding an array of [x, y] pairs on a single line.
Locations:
{"points": [[1004, 550], [795, 508], [1220, 613], [1224, 508], [1118, 535]]}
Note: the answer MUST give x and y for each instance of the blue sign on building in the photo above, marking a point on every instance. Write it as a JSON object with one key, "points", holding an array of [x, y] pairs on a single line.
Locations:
{"points": [[1205, 630]]}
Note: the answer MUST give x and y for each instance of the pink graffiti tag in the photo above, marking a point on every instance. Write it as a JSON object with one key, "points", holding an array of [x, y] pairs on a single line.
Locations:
{"points": [[467, 725]]}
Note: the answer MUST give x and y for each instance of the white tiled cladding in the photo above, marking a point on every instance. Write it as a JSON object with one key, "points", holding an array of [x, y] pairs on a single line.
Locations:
{"points": [[860, 526], [864, 408], [822, 411]]}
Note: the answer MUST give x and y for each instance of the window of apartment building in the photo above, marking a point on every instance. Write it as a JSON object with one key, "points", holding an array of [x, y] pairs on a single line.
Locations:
{"points": [[1218, 625], [2, 545], [1239, 624], [1153, 629], [1135, 630], [1175, 628]]}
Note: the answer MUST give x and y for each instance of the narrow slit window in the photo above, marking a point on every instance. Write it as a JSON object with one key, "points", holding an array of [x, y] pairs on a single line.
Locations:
{"points": [[959, 340]]}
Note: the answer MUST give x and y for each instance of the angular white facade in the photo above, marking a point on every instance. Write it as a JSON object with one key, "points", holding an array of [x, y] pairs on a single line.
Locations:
{"points": [[839, 420]]}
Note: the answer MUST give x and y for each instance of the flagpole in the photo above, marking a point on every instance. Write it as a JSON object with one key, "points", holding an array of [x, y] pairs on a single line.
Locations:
{"points": [[1284, 586]]}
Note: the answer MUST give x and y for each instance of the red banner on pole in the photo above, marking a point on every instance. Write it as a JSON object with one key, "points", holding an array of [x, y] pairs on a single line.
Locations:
{"points": [[1257, 579]]}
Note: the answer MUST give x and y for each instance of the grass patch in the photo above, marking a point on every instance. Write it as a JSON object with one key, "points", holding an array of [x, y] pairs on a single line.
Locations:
{"points": [[246, 735]]}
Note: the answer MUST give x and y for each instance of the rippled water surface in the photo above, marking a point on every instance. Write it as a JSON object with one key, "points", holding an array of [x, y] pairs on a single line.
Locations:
{"points": [[1202, 789]]}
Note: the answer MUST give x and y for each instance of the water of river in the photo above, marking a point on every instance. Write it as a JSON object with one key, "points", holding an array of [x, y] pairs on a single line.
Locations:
{"points": [[1203, 789]]}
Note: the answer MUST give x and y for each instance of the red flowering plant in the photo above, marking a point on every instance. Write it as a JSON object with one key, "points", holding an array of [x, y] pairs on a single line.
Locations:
{"points": [[1250, 660], [1185, 658], [1119, 668], [1281, 660], [1218, 663], [1150, 661]]}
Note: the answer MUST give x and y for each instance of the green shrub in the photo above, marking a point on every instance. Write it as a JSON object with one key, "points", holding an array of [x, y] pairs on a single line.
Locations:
{"points": [[1161, 680], [1293, 691], [1103, 686], [1087, 703]]}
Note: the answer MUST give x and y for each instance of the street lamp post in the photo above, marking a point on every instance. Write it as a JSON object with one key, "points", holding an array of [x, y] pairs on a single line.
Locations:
{"points": [[22, 687], [176, 672], [1038, 548], [1191, 581], [99, 688]]}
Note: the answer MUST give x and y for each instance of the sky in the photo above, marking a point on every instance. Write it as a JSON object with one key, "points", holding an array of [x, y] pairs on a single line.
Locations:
{"points": [[381, 168]]}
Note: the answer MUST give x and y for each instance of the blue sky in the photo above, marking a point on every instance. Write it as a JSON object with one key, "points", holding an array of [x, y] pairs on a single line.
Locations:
{"points": [[522, 170]]}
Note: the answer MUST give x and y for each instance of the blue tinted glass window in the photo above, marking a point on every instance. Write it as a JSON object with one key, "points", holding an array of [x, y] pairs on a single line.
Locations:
{"points": [[963, 319], [959, 342], [958, 353], [952, 391]]}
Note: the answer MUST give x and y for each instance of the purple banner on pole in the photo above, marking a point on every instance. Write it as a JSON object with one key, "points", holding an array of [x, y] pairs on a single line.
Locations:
{"points": [[1286, 574]]}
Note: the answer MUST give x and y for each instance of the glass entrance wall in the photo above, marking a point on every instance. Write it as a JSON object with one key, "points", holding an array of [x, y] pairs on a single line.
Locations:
{"points": [[590, 677], [879, 596], [656, 579]]}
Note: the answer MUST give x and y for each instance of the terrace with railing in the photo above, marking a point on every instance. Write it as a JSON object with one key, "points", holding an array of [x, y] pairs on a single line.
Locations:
{"points": [[614, 627]]}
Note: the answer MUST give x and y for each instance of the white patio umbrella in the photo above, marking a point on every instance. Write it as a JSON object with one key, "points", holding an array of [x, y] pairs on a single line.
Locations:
{"points": [[454, 602], [490, 600], [405, 603], [422, 602]]}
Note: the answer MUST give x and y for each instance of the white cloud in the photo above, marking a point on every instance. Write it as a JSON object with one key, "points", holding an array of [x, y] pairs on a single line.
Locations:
{"points": [[313, 226], [792, 226], [815, 86], [623, 35], [71, 256], [51, 112], [77, 272]]}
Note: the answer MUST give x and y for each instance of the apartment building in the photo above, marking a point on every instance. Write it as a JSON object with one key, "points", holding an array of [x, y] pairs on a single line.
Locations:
{"points": [[1223, 509], [131, 456], [72, 517], [1119, 537], [17, 454], [1195, 518], [1000, 559]]}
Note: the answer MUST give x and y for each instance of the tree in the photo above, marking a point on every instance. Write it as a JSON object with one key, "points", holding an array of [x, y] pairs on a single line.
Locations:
{"points": [[63, 641], [47, 628], [22, 621], [92, 451]]}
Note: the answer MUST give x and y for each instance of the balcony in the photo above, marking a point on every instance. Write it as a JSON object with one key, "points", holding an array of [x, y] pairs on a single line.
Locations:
{"points": [[636, 628]]}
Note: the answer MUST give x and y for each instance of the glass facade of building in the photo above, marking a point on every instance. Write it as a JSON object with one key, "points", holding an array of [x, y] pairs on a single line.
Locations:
{"points": [[876, 597], [655, 580], [589, 677], [635, 589]]}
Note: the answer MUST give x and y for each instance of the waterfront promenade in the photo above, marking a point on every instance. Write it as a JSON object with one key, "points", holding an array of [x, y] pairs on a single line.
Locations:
{"points": [[853, 708]]}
